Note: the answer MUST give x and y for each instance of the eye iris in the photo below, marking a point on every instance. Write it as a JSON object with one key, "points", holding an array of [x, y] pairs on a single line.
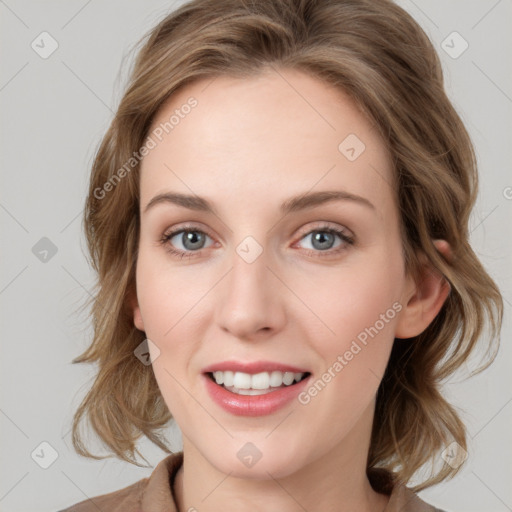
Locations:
{"points": [[321, 237], [195, 238]]}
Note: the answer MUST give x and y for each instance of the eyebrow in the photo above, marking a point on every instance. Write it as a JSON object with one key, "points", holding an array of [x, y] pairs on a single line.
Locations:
{"points": [[294, 204]]}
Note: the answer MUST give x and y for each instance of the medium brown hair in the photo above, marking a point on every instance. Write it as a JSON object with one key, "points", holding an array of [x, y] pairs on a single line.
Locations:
{"points": [[377, 54]]}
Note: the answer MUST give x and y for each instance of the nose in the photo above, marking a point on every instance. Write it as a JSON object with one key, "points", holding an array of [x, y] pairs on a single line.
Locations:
{"points": [[250, 302]]}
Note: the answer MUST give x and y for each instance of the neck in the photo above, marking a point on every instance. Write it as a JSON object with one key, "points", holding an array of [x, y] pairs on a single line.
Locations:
{"points": [[334, 481]]}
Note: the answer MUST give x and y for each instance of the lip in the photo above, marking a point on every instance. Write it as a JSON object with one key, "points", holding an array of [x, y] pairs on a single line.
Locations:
{"points": [[252, 367], [253, 405]]}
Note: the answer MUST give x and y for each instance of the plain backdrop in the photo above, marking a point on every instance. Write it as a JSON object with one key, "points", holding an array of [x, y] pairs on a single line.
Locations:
{"points": [[54, 111]]}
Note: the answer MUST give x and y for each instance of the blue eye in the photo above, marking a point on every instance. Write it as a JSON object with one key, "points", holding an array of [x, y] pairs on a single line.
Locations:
{"points": [[322, 239], [193, 241]]}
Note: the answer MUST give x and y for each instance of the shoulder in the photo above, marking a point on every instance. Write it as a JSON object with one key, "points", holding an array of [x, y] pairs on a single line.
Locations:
{"points": [[144, 494], [403, 499], [127, 499]]}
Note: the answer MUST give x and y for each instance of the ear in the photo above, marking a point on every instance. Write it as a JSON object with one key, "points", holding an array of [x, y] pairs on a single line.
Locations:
{"points": [[424, 300], [133, 305]]}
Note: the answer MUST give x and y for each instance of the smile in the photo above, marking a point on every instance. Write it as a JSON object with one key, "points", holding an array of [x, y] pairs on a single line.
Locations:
{"points": [[242, 383], [253, 389]]}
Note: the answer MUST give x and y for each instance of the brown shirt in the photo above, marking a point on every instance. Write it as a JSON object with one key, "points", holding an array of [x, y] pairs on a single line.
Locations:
{"points": [[154, 494]]}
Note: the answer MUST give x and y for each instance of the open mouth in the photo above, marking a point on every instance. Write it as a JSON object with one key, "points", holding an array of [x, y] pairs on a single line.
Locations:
{"points": [[261, 383]]}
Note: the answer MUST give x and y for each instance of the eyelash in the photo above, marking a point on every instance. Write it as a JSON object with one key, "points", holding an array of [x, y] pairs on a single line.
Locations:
{"points": [[348, 240]]}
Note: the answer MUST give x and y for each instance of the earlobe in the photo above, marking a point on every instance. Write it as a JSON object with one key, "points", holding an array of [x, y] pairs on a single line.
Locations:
{"points": [[137, 318], [425, 300], [134, 307]]}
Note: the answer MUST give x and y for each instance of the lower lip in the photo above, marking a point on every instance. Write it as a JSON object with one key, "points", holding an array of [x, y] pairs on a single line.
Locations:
{"points": [[253, 405]]}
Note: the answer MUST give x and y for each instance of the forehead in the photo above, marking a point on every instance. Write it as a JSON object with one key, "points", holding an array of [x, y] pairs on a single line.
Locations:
{"points": [[273, 135]]}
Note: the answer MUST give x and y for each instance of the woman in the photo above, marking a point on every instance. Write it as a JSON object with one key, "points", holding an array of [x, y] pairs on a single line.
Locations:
{"points": [[278, 216]]}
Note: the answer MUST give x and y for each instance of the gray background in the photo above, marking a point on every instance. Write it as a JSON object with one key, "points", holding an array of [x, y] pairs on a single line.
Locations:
{"points": [[54, 112]]}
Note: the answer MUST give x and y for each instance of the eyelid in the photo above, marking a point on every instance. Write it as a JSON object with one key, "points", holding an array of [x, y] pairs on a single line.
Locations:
{"points": [[346, 236], [327, 225], [302, 232], [187, 226]]}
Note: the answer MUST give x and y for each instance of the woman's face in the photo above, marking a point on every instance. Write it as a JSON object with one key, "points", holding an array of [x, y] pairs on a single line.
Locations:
{"points": [[272, 280]]}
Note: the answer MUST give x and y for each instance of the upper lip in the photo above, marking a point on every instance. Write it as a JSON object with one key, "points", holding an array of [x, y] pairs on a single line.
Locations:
{"points": [[252, 367]]}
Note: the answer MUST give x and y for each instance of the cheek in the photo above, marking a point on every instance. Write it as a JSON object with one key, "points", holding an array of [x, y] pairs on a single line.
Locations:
{"points": [[168, 298], [359, 309], [354, 357], [356, 299], [166, 322], [172, 309]]}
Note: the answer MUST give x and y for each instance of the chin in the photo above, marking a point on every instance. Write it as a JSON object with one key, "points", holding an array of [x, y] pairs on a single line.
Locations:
{"points": [[272, 467], [257, 460]]}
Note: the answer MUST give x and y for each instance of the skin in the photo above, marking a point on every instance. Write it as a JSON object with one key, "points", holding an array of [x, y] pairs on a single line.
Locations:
{"points": [[249, 145]]}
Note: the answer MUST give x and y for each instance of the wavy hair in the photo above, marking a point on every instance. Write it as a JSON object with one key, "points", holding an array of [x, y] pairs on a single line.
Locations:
{"points": [[377, 54]]}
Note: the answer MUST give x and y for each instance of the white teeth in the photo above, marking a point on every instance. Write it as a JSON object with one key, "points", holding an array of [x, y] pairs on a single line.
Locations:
{"points": [[242, 380], [228, 378], [288, 378], [246, 383], [260, 381], [276, 379]]}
